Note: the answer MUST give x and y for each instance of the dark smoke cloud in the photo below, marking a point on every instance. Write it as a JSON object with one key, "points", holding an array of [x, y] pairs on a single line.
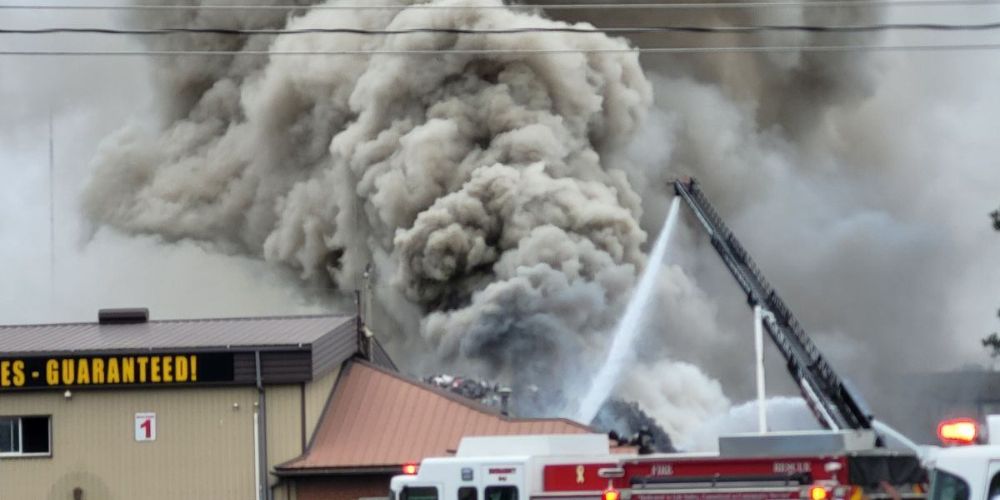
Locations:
{"points": [[505, 200], [475, 183]]}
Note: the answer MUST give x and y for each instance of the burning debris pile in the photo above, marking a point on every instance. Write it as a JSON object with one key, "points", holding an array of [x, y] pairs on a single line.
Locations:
{"points": [[481, 391], [623, 420], [632, 426]]}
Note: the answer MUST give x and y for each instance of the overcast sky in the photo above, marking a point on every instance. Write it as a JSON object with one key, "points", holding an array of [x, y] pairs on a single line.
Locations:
{"points": [[90, 97]]}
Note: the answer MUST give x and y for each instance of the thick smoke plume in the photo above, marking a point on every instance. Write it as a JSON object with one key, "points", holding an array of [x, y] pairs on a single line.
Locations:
{"points": [[504, 201], [476, 184]]}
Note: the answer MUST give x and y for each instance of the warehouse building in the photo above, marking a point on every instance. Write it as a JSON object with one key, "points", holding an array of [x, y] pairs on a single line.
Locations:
{"points": [[128, 408]]}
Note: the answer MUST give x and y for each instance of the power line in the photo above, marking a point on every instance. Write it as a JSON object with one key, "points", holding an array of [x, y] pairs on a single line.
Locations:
{"points": [[525, 52], [603, 6], [511, 31]]}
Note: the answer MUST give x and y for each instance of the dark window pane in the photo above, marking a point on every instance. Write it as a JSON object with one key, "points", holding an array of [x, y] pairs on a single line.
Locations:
{"points": [[467, 493], [419, 493], [35, 432], [945, 486], [994, 487], [9, 435], [501, 493]]}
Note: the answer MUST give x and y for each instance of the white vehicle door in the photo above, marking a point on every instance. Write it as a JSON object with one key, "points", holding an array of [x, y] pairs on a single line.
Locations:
{"points": [[503, 482]]}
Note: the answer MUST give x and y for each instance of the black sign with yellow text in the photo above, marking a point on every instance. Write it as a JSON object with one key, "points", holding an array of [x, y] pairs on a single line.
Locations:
{"points": [[116, 370]]}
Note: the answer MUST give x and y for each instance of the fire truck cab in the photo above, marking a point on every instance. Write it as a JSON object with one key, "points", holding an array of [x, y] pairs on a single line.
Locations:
{"points": [[793, 466], [497, 467], [965, 470]]}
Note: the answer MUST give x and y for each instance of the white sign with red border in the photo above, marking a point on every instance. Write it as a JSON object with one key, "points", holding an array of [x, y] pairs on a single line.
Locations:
{"points": [[145, 427]]}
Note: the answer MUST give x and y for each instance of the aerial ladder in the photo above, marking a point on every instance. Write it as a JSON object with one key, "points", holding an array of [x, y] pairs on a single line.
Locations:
{"points": [[834, 402]]}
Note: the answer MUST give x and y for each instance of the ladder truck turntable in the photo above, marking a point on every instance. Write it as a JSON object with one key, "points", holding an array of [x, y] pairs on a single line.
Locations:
{"points": [[844, 462]]}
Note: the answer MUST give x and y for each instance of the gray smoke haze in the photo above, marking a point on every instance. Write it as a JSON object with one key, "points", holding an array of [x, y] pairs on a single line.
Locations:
{"points": [[505, 201], [476, 182]]}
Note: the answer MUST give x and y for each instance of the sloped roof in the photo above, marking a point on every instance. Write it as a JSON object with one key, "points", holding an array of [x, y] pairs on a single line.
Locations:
{"points": [[278, 331], [378, 419]]}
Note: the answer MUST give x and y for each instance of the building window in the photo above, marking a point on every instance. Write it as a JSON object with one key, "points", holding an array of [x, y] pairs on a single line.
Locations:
{"points": [[467, 493], [501, 493], [25, 436], [947, 486], [419, 493]]}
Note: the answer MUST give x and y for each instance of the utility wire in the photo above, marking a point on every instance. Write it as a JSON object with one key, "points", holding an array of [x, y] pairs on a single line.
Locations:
{"points": [[526, 52], [511, 31], [602, 6]]}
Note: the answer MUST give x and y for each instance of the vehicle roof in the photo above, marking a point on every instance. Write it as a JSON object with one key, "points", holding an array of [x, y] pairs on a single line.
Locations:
{"points": [[965, 452]]}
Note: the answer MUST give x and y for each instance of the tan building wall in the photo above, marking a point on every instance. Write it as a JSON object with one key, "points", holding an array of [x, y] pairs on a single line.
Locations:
{"points": [[317, 394], [203, 447]]}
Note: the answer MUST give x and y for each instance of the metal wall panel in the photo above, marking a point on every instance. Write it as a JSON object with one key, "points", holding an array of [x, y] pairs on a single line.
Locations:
{"points": [[203, 446], [283, 367], [284, 425], [318, 393], [329, 352]]}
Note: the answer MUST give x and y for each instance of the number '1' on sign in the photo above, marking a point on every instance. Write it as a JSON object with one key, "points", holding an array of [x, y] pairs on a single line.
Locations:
{"points": [[145, 427]]}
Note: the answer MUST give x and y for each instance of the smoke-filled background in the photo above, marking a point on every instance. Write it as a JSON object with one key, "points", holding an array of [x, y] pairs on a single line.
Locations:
{"points": [[504, 202]]}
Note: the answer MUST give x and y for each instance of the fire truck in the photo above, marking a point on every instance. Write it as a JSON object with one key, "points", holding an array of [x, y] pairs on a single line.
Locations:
{"points": [[804, 465]]}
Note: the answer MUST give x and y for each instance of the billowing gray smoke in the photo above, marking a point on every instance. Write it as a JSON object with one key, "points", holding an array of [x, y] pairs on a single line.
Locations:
{"points": [[504, 200], [475, 183]]}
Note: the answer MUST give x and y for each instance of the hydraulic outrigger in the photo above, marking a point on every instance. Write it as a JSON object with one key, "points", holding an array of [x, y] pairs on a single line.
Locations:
{"points": [[835, 404]]}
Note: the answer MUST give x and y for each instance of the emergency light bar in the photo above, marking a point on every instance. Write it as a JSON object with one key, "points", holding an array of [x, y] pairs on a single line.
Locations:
{"points": [[958, 431]]}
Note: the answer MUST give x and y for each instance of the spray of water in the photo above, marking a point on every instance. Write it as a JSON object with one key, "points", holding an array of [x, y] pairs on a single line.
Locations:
{"points": [[629, 326]]}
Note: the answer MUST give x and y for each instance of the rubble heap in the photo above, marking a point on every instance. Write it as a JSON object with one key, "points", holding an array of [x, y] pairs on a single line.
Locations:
{"points": [[623, 420]]}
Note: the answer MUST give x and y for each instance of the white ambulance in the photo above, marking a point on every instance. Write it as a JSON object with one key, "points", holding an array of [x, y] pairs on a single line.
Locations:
{"points": [[965, 470], [501, 468]]}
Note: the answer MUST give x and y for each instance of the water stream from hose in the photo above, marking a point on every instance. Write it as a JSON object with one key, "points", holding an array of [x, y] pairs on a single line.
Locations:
{"points": [[628, 328]]}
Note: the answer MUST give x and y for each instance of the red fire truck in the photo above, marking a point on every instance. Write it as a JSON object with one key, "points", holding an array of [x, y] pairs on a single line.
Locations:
{"points": [[814, 466]]}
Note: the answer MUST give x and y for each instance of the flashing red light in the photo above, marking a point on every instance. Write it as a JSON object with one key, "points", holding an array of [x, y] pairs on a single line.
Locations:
{"points": [[410, 469], [817, 493], [611, 494], [960, 431]]}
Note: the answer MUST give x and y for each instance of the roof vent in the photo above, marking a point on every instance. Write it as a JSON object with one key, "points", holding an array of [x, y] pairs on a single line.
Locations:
{"points": [[123, 316]]}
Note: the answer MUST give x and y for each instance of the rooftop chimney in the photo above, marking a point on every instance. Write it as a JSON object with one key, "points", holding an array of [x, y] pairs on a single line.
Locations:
{"points": [[123, 316], [505, 401]]}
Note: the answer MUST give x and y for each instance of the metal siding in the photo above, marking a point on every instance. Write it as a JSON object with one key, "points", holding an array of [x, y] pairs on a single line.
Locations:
{"points": [[172, 334], [330, 351], [284, 425], [203, 447], [285, 367], [244, 368], [318, 393], [381, 358]]}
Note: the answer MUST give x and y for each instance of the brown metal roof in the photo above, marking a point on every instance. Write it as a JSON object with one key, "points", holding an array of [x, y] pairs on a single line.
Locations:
{"points": [[280, 331], [380, 419]]}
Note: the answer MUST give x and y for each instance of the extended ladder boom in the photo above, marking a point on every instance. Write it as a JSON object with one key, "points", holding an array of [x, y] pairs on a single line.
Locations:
{"points": [[835, 404]]}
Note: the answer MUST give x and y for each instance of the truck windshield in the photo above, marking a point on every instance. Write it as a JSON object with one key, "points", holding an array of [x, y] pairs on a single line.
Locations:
{"points": [[418, 493], [945, 486]]}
